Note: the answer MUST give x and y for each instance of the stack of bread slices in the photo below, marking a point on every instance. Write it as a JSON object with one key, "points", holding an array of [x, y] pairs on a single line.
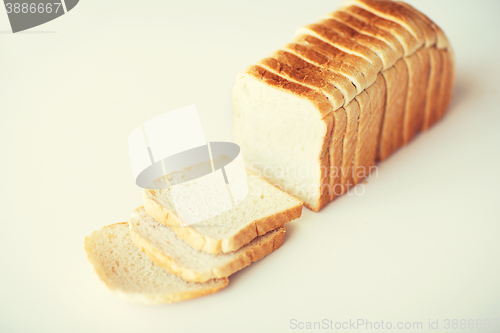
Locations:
{"points": [[156, 258], [315, 116]]}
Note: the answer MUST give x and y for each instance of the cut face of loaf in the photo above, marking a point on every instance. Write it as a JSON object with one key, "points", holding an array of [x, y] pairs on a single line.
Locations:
{"points": [[349, 91], [129, 274], [169, 251]]}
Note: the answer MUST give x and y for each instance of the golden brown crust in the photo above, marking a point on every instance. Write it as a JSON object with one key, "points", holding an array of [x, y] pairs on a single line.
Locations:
{"points": [[296, 69], [349, 145], [441, 39], [336, 152], [378, 100], [371, 30], [370, 122], [245, 258], [209, 244], [430, 37], [391, 10], [359, 66], [431, 113], [446, 89], [415, 98], [340, 79], [348, 45], [396, 81], [383, 51], [155, 299], [319, 100], [407, 40]]}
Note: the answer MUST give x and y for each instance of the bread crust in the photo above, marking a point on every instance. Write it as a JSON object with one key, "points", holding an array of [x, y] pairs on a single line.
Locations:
{"points": [[415, 98], [291, 67], [396, 81], [156, 299], [446, 88], [371, 30], [318, 99], [340, 74], [383, 51], [243, 259], [348, 45], [431, 113], [349, 146], [370, 123], [359, 66], [352, 46], [398, 14], [407, 40], [336, 152], [205, 243]]}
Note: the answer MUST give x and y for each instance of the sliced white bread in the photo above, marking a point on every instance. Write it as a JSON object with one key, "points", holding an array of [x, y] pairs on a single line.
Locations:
{"points": [[348, 76], [169, 251], [264, 208], [360, 67], [296, 69], [391, 138], [371, 64], [408, 41], [132, 276], [373, 31], [340, 53], [398, 14], [384, 52]]}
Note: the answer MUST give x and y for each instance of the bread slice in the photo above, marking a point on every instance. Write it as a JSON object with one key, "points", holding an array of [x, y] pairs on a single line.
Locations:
{"points": [[130, 275], [396, 80], [400, 15], [368, 61], [360, 67], [446, 88], [169, 251], [418, 76], [295, 69], [409, 43], [431, 113], [336, 153], [383, 51], [344, 76], [350, 145], [435, 109], [371, 104], [265, 208], [310, 52], [371, 30]]}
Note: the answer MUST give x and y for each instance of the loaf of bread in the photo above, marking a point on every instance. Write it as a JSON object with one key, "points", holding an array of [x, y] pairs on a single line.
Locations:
{"points": [[315, 116]]}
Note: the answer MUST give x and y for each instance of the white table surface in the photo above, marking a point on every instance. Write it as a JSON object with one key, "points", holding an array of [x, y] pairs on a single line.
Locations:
{"points": [[422, 243]]}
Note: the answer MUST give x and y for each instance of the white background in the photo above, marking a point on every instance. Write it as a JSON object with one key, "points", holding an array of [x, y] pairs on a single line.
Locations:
{"points": [[422, 242]]}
